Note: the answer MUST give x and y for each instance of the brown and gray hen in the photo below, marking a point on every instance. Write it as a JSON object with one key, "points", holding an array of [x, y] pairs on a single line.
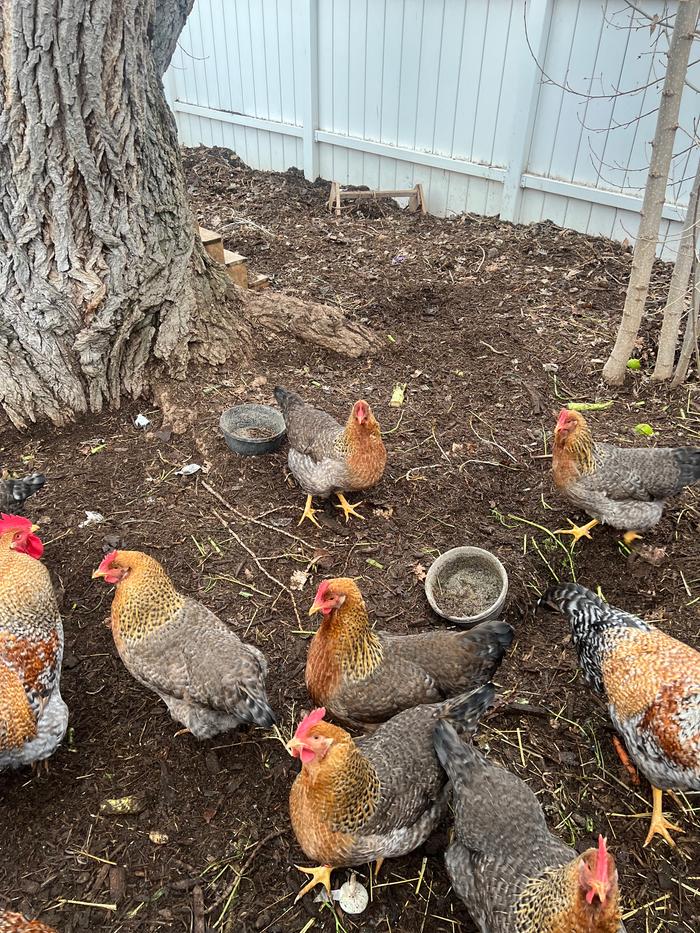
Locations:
{"points": [[326, 457], [376, 797], [363, 677], [620, 486], [207, 677], [513, 875]]}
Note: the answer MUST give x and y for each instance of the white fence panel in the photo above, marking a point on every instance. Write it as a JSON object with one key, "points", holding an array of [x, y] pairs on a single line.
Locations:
{"points": [[495, 106]]}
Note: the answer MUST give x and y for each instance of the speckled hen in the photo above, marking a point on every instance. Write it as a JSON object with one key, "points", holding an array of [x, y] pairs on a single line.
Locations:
{"points": [[620, 486], [376, 797], [16, 923], [326, 457], [14, 492], [208, 678], [513, 875], [33, 716], [652, 685], [363, 677]]}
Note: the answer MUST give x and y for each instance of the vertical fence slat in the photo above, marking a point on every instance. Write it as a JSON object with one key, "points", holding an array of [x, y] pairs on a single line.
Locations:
{"points": [[539, 16], [310, 96]]}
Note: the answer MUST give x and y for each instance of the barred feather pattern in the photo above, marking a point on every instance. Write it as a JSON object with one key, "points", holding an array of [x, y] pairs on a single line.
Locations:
{"points": [[651, 682]]}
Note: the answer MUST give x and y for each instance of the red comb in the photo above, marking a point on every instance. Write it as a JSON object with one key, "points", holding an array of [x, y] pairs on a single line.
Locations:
{"points": [[321, 591], [107, 561], [13, 522], [564, 415], [601, 868], [309, 721]]}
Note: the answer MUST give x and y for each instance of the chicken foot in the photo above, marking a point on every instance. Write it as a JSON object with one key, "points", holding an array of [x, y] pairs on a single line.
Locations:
{"points": [[347, 508], [660, 826], [319, 875], [309, 512], [578, 531]]}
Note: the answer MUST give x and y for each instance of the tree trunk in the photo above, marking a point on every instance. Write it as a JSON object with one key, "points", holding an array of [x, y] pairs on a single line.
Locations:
{"points": [[104, 284], [678, 289], [690, 339], [655, 191]]}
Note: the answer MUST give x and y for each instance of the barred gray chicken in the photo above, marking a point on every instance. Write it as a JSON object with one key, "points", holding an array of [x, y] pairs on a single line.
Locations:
{"points": [[325, 457], [14, 492], [619, 486], [513, 875]]}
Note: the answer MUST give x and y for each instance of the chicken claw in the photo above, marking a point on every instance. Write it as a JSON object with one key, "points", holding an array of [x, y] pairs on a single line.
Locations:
{"points": [[578, 531], [630, 536], [347, 508], [319, 875], [309, 512], [660, 826]]}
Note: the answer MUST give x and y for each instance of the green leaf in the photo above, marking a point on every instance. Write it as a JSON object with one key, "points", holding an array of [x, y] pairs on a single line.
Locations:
{"points": [[645, 429], [634, 363], [374, 563], [390, 338], [589, 406]]}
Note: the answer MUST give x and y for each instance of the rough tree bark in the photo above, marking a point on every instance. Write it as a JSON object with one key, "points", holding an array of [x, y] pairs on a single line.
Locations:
{"points": [[690, 338], [678, 289], [104, 285], [655, 191]]}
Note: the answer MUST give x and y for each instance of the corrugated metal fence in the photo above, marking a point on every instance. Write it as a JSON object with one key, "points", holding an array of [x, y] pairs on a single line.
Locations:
{"points": [[531, 109]]}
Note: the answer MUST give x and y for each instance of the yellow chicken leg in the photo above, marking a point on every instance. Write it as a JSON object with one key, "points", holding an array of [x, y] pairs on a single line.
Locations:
{"points": [[578, 531], [630, 536], [347, 508], [377, 865], [660, 826], [309, 512], [319, 875]]}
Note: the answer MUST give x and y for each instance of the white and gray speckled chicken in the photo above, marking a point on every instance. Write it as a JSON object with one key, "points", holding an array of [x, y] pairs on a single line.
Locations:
{"points": [[624, 487], [513, 875], [652, 685], [33, 716], [208, 678], [326, 457], [376, 797], [14, 492]]}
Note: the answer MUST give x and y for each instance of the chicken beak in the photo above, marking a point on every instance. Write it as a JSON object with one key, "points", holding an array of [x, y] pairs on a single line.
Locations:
{"points": [[34, 529], [97, 573], [315, 608], [600, 890], [294, 744]]}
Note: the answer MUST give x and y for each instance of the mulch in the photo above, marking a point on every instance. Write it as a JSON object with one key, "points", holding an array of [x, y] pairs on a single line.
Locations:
{"points": [[492, 327]]}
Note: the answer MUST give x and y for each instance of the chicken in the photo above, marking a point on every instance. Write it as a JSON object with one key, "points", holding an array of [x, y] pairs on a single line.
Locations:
{"points": [[619, 486], [363, 677], [376, 797], [513, 875], [652, 686], [207, 677], [14, 492], [325, 457], [33, 716], [16, 923]]}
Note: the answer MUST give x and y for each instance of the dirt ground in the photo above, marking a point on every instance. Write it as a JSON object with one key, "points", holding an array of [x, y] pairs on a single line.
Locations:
{"points": [[492, 328]]}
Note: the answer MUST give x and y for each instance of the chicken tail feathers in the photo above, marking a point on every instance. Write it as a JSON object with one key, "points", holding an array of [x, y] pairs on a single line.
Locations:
{"points": [[456, 757], [465, 711], [18, 490], [259, 710], [688, 463], [491, 640]]}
